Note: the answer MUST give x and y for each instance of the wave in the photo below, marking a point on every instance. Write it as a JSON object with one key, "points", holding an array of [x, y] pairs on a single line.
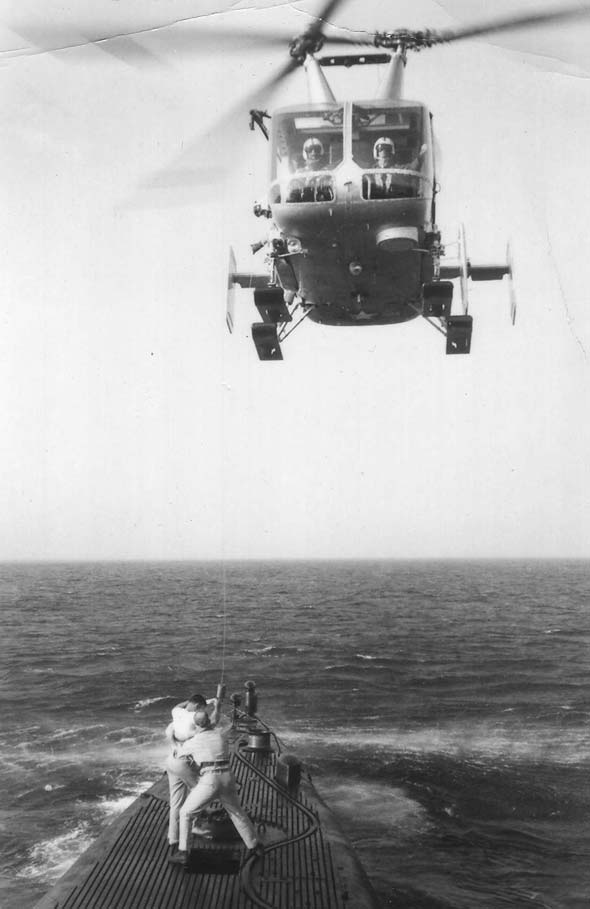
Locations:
{"points": [[61, 734], [388, 809], [47, 766], [51, 858], [275, 650], [463, 741], [146, 702]]}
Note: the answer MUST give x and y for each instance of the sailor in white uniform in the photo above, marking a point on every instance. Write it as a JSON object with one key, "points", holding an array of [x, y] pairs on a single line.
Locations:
{"points": [[209, 749], [181, 771]]}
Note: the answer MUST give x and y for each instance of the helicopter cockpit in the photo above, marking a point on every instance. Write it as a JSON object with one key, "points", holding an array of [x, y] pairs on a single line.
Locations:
{"points": [[392, 147], [352, 152], [308, 146]]}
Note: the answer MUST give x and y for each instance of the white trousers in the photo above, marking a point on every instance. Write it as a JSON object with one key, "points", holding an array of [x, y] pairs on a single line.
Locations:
{"points": [[221, 786], [181, 779]]}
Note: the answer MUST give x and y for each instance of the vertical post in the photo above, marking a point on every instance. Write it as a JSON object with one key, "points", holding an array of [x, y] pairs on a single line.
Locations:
{"points": [[318, 88], [393, 82], [251, 699]]}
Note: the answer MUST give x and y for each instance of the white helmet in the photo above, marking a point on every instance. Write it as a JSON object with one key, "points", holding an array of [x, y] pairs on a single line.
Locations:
{"points": [[312, 143], [383, 142]]}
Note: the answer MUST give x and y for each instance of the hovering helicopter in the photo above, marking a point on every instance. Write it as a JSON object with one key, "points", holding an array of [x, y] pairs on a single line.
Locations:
{"points": [[352, 237]]}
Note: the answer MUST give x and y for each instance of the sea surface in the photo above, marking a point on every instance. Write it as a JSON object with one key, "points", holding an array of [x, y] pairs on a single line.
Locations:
{"points": [[443, 709]]}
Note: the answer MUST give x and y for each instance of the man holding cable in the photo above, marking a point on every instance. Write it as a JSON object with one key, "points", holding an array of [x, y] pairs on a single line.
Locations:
{"points": [[209, 748]]}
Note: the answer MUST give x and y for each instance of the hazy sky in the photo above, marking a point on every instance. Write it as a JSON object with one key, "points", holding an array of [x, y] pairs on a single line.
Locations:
{"points": [[133, 426]]}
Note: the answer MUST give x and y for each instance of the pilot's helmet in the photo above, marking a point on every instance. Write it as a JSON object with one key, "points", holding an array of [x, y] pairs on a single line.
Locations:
{"points": [[382, 144], [313, 146]]}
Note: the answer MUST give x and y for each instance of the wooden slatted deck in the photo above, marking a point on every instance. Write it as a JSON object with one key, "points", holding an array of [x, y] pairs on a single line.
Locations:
{"points": [[308, 863]]}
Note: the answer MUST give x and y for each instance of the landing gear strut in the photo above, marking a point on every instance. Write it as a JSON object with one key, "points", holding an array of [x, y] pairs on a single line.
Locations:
{"points": [[270, 303], [437, 295]]}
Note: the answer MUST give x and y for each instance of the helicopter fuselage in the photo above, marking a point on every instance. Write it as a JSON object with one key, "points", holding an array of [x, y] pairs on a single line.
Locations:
{"points": [[353, 237], [354, 231]]}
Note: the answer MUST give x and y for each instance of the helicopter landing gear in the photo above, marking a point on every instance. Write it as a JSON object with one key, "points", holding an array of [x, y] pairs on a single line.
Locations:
{"points": [[270, 303], [437, 298], [459, 330], [266, 341]]}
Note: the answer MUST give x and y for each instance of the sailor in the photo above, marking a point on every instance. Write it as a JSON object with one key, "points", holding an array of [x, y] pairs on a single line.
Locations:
{"points": [[209, 749], [181, 771]]}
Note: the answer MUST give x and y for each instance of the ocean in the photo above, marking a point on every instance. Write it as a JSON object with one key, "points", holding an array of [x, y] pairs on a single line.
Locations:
{"points": [[442, 707]]}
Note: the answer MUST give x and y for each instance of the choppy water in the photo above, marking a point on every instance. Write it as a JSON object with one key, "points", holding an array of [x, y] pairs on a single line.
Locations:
{"points": [[442, 707]]}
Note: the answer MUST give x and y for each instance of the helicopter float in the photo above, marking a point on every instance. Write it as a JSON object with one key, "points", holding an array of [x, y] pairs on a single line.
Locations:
{"points": [[352, 237]]}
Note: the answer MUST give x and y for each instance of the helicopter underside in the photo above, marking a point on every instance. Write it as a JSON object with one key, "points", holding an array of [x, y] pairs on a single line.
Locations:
{"points": [[357, 283], [385, 288], [353, 271], [370, 263]]}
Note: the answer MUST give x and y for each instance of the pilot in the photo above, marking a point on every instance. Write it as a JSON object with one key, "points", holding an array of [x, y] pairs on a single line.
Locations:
{"points": [[210, 750], [387, 185], [313, 189], [182, 773], [384, 153], [313, 154]]}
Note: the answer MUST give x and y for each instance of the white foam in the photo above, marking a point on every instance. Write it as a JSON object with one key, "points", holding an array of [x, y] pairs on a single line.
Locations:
{"points": [[49, 859], [76, 730], [474, 741], [147, 701], [113, 807], [379, 805]]}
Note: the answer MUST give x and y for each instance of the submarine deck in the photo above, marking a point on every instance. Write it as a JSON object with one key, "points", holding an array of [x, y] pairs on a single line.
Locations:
{"points": [[308, 862]]}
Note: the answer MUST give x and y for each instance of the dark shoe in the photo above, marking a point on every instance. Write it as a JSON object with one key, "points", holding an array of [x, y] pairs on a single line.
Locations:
{"points": [[179, 858], [172, 849]]}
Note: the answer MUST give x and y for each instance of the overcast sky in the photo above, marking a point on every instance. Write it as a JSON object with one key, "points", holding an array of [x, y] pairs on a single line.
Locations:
{"points": [[133, 426]]}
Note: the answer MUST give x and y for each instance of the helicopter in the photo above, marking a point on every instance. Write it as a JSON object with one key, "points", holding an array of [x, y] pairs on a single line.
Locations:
{"points": [[352, 238]]}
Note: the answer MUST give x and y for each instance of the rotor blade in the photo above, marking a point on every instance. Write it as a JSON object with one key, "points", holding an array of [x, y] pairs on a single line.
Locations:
{"points": [[514, 22], [45, 41], [209, 157], [320, 19], [186, 35], [48, 39]]}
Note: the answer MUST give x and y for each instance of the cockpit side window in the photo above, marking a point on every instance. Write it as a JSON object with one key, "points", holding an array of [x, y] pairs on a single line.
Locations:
{"points": [[374, 128], [308, 140], [308, 145], [388, 143]]}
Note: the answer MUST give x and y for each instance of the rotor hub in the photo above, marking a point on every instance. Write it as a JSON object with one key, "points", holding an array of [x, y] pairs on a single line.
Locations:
{"points": [[304, 45]]}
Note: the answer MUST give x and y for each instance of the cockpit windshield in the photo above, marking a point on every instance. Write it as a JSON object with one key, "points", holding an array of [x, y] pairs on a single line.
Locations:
{"points": [[308, 145], [384, 147]]}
